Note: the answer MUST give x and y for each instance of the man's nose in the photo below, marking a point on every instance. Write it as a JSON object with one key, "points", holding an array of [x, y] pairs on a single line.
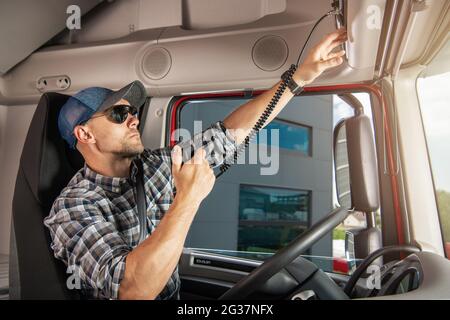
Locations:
{"points": [[133, 121]]}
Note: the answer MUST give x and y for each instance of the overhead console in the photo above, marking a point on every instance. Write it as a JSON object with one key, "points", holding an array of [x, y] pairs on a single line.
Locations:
{"points": [[204, 14]]}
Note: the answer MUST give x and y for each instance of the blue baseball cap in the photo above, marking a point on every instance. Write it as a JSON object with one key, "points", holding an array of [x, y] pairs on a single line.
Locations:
{"points": [[80, 107]]}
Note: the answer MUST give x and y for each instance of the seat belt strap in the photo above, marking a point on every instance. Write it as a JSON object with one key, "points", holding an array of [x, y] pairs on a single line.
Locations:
{"points": [[141, 206]]}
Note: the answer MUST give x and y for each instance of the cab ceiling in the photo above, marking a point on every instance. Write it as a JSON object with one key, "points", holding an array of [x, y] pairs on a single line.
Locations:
{"points": [[25, 25], [210, 43]]}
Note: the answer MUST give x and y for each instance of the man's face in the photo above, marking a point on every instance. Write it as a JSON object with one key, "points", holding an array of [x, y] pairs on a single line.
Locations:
{"points": [[120, 139]]}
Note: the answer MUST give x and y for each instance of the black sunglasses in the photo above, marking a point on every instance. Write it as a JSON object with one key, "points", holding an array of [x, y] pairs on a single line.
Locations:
{"points": [[119, 113]]}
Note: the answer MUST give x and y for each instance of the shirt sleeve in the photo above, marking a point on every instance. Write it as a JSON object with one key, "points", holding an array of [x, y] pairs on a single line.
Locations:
{"points": [[91, 247], [217, 141]]}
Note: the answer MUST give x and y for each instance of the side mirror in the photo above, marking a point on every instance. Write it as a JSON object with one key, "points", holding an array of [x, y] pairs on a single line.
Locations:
{"points": [[355, 162], [342, 169]]}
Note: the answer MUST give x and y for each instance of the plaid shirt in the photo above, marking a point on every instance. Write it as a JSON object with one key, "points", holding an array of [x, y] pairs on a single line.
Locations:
{"points": [[94, 222]]}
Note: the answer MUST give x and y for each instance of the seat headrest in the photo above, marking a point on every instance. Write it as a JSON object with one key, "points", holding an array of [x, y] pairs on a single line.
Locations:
{"points": [[47, 161]]}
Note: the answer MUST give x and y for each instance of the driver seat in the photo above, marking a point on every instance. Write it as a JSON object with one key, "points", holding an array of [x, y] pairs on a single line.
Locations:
{"points": [[46, 166]]}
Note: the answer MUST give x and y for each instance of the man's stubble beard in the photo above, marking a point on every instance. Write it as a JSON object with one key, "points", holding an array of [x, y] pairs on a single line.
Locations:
{"points": [[130, 150]]}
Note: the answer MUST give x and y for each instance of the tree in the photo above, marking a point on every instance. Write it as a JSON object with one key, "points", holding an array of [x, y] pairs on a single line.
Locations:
{"points": [[443, 199]]}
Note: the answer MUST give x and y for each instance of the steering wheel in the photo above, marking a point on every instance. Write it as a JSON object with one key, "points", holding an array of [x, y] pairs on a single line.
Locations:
{"points": [[285, 256], [371, 258]]}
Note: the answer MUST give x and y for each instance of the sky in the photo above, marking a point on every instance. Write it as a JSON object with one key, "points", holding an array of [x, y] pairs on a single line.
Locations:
{"points": [[434, 97]]}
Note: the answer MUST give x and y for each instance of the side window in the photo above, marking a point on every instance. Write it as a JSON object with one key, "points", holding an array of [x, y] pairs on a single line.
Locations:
{"points": [[434, 97], [283, 184]]}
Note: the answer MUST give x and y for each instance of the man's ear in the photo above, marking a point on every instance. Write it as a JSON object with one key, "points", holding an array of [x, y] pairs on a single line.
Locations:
{"points": [[84, 134]]}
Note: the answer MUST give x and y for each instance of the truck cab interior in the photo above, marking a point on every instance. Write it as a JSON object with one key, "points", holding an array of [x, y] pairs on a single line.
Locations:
{"points": [[352, 201]]}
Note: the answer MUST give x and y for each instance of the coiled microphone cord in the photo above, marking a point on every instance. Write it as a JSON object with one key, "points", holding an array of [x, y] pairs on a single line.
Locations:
{"points": [[287, 76]]}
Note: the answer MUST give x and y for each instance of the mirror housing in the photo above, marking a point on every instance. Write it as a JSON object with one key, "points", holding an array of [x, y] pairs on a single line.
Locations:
{"points": [[354, 142]]}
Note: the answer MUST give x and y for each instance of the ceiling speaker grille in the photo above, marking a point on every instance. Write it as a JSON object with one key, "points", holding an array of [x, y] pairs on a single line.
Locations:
{"points": [[156, 63], [270, 53]]}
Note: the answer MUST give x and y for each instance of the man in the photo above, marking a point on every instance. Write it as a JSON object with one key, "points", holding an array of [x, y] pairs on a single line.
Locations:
{"points": [[94, 223]]}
